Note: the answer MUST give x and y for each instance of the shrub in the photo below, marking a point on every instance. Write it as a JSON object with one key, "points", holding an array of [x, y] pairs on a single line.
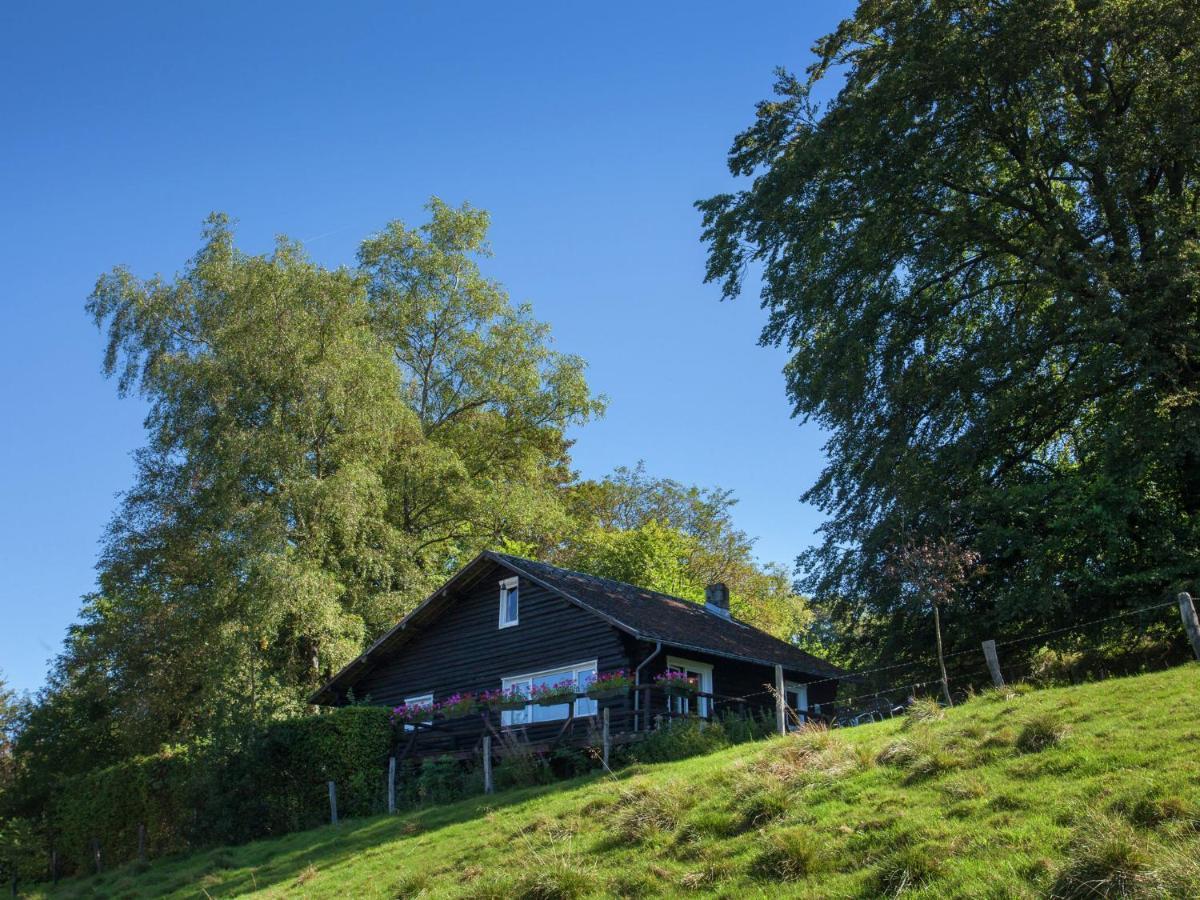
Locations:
{"points": [[443, 779], [679, 739], [519, 765], [1048, 667]]}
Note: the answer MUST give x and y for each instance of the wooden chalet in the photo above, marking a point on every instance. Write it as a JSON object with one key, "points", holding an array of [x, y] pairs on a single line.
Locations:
{"points": [[503, 622]]}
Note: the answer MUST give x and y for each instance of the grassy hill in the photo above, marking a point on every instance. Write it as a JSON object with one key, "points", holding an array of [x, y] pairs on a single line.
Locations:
{"points": [[1075, 792]]}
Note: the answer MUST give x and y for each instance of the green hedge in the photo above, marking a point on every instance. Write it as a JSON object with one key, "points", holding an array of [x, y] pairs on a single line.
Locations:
{"points": [[192, 797]]}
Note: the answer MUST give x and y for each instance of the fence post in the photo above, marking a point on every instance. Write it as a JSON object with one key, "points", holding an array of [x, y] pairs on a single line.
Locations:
{"points": [[96, 854], [333, 803], [54, 865], [606, 741], [391, 784], [993, 663], [1187, 610], [488, 786], [780, 702], [646, 708], [141, 851]]}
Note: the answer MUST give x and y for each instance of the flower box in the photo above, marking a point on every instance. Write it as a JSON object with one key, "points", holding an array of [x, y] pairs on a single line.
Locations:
{"points": [[457, 706], [609, 684], [677, 684], [412, 713], [554, 694]]}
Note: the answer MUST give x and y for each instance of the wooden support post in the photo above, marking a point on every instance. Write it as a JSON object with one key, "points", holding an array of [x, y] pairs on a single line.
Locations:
{"points": [[488, 786], [54, 865], [391, 784], [993, 663], [1187, 610], [333, 803], [141, 853], [780, 702], [646, 708], [605, 738], [96, 854]]}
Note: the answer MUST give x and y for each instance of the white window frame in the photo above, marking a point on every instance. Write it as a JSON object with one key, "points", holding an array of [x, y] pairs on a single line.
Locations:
{"points": [[584, 706], [420, 698], [510, 584], [705, 671], [800, 690]]}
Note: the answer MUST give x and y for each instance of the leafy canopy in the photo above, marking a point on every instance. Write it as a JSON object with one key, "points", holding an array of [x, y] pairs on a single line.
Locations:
{"points": [[983, 256]]}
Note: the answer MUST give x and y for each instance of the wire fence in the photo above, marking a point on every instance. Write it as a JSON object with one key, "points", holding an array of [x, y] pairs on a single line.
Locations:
{"points": [[910, 679]]}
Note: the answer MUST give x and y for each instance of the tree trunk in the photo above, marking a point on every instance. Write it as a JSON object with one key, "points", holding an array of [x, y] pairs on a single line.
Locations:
{"points": [[937, 624]]}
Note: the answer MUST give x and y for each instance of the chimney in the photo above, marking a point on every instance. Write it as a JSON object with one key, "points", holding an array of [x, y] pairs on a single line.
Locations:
{"points": [[716, 599]]}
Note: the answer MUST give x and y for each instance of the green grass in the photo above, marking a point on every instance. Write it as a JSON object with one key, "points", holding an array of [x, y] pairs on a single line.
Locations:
{"points": [[1090, 791]]}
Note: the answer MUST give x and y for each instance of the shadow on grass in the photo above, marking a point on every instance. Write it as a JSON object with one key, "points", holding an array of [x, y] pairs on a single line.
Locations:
{"points": [[289, 859]]}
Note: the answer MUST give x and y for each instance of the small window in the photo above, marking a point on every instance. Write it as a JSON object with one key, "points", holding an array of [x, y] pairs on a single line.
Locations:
{"points": [[509, 602]]}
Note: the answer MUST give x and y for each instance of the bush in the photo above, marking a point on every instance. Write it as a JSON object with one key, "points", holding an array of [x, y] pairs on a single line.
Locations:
{"points": [[195, 796], [443, 779], [679, 739]]}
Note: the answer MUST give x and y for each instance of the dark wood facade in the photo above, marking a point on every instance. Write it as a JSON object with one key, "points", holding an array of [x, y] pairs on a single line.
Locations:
{"points": [[455, 645]]}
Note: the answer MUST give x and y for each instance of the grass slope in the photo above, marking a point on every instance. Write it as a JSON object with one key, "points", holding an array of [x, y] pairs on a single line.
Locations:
{"points": [[1071, 792]]}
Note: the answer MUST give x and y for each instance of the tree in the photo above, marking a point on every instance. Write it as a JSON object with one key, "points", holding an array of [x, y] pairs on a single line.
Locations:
{"points": [[324, 446], [983, 256], [932, 572], [663, 535]]}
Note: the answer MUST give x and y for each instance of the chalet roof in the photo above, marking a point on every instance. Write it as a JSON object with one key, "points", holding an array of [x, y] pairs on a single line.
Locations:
{"points": [[651, 616], [644, 614]]}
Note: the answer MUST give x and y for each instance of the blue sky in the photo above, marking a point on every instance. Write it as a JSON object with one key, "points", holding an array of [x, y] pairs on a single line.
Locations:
{"points": [[586, 130]]}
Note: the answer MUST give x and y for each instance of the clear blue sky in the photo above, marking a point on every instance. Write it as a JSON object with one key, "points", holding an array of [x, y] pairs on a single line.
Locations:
{"points": [[586, 130]]}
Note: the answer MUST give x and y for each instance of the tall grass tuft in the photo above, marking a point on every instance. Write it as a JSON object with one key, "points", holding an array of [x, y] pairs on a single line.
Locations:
{"points": [[1106, 859], [1041, 732], [791, 854]]}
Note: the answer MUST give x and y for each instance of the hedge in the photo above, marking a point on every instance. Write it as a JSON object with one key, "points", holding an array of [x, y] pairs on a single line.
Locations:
{"points": [[189, 797]]}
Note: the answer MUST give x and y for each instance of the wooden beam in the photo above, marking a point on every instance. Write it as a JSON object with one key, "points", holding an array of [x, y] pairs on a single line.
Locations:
{"points": [[488, 786]]}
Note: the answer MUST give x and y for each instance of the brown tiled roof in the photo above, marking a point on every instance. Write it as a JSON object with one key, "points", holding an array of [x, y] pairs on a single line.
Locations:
{"points": [[652, 616]]}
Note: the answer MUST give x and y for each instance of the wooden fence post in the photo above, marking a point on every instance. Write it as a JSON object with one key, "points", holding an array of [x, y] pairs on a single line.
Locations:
{"points": [[606, 740], [488, 786], [1187, 610], [646, 708], [780, 702], [333, 803], [993, 663], [391, 784], [141, 851], [96, 854], [54, 865]]}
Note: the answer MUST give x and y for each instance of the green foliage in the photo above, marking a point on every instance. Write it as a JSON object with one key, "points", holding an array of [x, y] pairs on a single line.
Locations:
{"points": [[982, 256], [195, 796], [676, 539], [324, 446], [679, 739]]}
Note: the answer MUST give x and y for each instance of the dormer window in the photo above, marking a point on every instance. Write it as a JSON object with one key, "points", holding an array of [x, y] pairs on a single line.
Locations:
{"points": [[509, 602]]}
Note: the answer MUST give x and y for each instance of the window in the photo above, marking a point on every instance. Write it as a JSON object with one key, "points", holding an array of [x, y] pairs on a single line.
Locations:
{"points": [[702, 674], [581, 674], [509, 602], [423, 700]]}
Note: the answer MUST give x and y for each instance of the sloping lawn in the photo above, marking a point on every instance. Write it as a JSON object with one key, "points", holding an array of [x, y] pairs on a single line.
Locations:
{"points": [[1090, 791]]}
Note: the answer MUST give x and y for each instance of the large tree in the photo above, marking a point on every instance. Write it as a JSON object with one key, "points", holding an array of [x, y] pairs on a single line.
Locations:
{"points": [[324, 446], [983, 255]]}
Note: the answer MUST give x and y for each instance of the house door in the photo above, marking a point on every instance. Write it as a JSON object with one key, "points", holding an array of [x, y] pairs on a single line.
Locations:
{"points": [[796, 697], [702, 675]]}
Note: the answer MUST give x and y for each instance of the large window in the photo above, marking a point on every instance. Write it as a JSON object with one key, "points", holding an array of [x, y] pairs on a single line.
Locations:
{"points": [[510, 600], [581, 674]]}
